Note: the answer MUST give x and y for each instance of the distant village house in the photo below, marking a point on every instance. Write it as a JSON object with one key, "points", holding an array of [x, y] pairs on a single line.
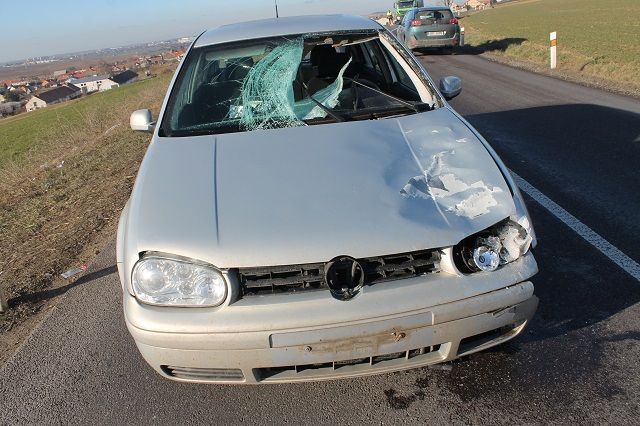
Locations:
{"points": [[125, 77], [96, 83], [54, 96], [156, 59], [478, 4]]}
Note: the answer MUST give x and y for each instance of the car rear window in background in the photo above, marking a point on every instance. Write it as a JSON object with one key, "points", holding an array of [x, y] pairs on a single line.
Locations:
{"points": [[405, 3], [434, 16]]}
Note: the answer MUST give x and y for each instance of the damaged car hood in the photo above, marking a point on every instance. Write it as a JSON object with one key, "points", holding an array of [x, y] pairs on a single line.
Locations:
{"points": [[309, 194]]}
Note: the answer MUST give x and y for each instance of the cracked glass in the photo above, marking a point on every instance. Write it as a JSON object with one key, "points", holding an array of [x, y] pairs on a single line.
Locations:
{"points": [[288, 82]]}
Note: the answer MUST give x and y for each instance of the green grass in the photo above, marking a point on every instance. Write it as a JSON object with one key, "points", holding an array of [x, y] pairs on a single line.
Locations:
{"points": [[25, 132], [596, 38]]}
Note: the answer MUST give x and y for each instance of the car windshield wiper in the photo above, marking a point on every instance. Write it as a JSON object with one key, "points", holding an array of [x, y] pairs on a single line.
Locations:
{"points": [[354, 94], [419, 107], [338, 118], [201, 131]]}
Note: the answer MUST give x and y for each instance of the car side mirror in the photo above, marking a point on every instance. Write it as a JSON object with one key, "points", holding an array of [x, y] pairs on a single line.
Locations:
{"points": [[142, 121], [450, 86]]}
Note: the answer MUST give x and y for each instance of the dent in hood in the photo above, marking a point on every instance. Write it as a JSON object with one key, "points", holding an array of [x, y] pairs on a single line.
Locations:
{"points": [[309, 194], [451, 188]]}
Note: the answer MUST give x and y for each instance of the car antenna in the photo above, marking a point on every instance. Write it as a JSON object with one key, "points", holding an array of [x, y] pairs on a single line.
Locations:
{"points": [[275, 2]]}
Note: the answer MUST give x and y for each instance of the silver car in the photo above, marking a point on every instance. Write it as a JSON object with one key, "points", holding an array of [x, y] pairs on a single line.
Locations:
{"points": [[310, 207], [429, 27]]}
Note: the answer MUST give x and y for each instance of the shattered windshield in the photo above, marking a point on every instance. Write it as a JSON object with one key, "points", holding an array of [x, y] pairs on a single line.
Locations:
{"points": [[289, 82]]}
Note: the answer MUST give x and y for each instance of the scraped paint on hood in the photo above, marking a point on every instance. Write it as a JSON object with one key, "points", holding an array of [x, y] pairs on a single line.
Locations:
{"points": [[440, 183]]}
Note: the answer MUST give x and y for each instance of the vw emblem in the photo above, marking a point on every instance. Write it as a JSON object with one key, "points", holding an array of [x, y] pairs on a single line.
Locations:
{"points": [[344, 276]]}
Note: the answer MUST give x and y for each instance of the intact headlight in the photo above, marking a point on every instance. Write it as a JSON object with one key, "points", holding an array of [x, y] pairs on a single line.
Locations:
{"points": [[171, 282]]}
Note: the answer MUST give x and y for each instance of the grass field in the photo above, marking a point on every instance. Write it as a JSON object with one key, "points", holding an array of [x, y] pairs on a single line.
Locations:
{"points": [[596, 38], [35, 131], [65, 173]]}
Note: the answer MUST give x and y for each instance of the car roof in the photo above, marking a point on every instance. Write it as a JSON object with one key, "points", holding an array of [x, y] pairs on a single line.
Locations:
{"points": [[285, 26]]}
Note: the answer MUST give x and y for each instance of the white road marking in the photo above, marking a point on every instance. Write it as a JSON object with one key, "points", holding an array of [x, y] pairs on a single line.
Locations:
{"points": [[629, 265]]}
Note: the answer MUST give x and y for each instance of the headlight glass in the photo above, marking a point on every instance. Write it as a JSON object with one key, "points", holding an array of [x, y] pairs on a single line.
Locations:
{"points": [[486, 254], [491, 248], [172, 282]]}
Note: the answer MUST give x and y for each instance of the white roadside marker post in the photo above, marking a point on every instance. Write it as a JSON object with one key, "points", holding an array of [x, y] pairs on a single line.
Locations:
{"points": [[461, 36], [553, 43]]}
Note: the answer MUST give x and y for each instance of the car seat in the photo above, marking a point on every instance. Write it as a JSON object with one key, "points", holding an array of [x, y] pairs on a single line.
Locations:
{"points": [[327, 63]]}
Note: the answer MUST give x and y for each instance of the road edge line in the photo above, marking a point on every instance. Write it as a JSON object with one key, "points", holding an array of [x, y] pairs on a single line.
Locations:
{"points": [[614, 254]]}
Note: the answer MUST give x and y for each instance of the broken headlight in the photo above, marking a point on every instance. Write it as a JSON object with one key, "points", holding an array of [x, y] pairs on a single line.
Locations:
{"points": [[498, 245], [163, 281], [488, 250]]}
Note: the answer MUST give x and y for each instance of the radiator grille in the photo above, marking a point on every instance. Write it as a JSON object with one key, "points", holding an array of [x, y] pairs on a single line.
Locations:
{"points": [[310, 276]]}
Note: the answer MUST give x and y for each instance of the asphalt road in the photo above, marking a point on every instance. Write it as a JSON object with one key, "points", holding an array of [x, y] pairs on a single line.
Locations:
{"points": [[577, 362]]}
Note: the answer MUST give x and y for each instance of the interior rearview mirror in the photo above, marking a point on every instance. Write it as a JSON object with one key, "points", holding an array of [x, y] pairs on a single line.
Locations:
{"points": [[450, 86], [142, 121]]}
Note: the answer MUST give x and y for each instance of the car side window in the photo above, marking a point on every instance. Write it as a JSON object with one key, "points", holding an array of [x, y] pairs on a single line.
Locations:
{"points": [[184, 97], [366, 59], [373, 59], [399, 75]]}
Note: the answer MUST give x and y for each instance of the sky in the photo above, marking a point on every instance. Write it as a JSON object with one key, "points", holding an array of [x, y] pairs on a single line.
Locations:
{"points": [[63, 27]]}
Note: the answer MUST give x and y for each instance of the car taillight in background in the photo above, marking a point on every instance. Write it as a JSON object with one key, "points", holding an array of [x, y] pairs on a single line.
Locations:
{"points": [[416, 23], [453, 21]]}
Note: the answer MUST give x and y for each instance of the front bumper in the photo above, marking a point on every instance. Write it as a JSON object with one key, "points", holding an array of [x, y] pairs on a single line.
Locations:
{"points": [[393, 326]]}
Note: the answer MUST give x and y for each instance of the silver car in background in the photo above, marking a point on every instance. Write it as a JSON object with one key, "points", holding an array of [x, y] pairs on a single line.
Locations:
{"points": [[429, 27], [310, 207]]}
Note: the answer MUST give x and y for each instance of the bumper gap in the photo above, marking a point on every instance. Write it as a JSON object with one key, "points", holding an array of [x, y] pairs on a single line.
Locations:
{"points": [[491, 337], [204, 374]]}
